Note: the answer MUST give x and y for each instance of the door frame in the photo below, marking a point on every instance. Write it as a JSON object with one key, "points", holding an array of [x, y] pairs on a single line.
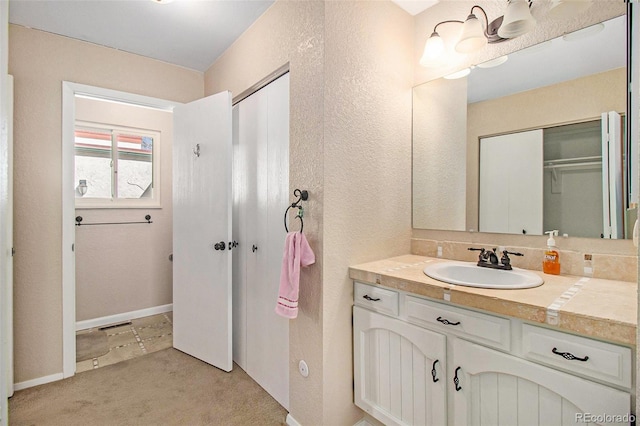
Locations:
{"points": [[69, 92]]}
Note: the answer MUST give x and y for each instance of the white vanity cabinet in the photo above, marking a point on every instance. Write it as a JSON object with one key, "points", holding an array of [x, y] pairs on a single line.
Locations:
{"points": [[399, 375], [422, 362]]}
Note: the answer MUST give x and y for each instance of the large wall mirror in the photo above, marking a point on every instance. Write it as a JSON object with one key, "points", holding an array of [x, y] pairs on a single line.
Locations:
{"points": [[528, 143]]}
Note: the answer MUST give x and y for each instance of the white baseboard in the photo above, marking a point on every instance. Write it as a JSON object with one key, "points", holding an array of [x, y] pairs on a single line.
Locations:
{"points": [[290, 421], [38, 381], [126, 316]]}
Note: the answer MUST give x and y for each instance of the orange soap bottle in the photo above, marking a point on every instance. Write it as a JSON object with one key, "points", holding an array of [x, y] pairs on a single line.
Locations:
{"points": [[551, 262]]}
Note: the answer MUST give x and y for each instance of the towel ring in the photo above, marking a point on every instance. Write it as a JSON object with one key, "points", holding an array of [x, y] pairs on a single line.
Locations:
{"points": [[299, 216], [302, 196]]}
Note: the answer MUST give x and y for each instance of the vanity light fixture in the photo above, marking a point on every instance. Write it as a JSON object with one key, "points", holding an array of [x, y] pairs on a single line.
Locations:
{"points": [[476, 33]]}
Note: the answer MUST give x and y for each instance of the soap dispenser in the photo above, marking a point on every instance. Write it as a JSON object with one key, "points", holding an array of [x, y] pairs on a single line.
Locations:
{"points": [[551, 262]]}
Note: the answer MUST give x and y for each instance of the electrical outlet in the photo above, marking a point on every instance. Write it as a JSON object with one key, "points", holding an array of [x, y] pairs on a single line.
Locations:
{"points": [[303, 368]]}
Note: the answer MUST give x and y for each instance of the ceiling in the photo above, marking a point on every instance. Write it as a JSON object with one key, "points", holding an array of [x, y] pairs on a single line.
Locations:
{"points": [[189, 33], [553, 62]]}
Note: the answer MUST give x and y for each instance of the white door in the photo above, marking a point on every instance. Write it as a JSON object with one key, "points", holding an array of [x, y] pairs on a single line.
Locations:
{"points": [[399, 370], [498, 389], [202, 230], [612, 191], [6, 247], [267, 332], [261, 195], [511, 183]]}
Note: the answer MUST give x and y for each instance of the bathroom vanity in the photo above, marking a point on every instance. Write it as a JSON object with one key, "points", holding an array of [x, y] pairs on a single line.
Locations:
{"points": [[431, 353]]}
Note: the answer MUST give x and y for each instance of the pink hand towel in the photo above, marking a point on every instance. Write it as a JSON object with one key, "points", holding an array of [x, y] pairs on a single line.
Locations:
{"points": [[296, 253]]}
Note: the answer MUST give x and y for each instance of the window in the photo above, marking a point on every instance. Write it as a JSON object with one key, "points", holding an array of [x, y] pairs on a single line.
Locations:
{"points": [[115, 166]]}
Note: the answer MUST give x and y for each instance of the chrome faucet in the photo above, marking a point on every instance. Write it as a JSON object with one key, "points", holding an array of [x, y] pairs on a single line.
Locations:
{"points": [[489, 258]]}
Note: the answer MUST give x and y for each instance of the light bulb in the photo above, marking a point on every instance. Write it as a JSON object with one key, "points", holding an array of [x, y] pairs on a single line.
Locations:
{"points": [[433, 50], [517, 19], [472, 37]]}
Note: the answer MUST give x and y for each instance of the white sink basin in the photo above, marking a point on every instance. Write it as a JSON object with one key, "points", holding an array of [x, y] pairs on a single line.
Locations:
{"points": [[471, 275]]}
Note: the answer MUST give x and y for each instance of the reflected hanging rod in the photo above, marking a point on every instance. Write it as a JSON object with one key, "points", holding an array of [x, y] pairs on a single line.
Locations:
{"points": [[79, 222]]}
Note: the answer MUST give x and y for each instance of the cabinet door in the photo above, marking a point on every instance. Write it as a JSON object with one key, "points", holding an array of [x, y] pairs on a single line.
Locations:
{"points": [[498, 389], [398, 370]]}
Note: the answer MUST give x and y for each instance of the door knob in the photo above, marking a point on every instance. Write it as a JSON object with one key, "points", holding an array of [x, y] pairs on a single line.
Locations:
{"points": [[254, 248], [219, 246]]}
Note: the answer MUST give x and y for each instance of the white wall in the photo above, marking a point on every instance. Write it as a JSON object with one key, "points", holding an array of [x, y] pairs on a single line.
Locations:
{"points": [[350, 146], [40, 62], [124, 268]]}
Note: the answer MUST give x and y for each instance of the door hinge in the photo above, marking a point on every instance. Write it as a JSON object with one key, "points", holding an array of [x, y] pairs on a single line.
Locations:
{"points": [[13, 251], [73, 247]]}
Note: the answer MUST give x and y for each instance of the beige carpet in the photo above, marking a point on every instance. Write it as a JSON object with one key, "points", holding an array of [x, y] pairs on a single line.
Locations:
{"points": [[91, 344], [166, 387]]}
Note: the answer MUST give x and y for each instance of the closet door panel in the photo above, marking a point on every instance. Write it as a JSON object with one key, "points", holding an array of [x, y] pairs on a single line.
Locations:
{"points": [[240, 253], [274, 335], [253, 121], [262, 195]]}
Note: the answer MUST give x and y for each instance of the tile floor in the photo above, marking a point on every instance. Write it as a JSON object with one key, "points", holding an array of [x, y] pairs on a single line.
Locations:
{"points": [[142, 336]]}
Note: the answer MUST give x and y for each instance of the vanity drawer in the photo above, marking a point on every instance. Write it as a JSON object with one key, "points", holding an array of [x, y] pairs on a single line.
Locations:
{"points": [[600, 360], [376, 298], [475, 326]]}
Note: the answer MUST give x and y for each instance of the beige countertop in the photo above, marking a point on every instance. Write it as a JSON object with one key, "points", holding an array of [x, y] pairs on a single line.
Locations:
{"points": [[604, 309]]}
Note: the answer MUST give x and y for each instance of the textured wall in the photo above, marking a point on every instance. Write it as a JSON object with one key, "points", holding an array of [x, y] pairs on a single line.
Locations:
{"points": [[39, 62], [439, 154], [367, 170], [351, 77], [124, 268], [292, 32]]}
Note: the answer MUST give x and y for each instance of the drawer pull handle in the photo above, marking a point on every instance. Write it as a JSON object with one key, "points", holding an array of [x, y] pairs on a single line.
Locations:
{"points": [[371, 299], [446, 321], [433, 371], [569, 356], [456, 381]]}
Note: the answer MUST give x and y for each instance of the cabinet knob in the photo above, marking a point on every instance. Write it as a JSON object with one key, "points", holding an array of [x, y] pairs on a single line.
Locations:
{"points": [[220, 246], [254, 248]]}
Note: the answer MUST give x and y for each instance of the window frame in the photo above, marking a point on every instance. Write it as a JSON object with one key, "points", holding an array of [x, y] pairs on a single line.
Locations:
{"points": [[123, 203]]}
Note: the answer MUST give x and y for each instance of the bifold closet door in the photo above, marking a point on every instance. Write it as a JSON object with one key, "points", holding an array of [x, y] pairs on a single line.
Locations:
{"points": [[261, 146]]}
